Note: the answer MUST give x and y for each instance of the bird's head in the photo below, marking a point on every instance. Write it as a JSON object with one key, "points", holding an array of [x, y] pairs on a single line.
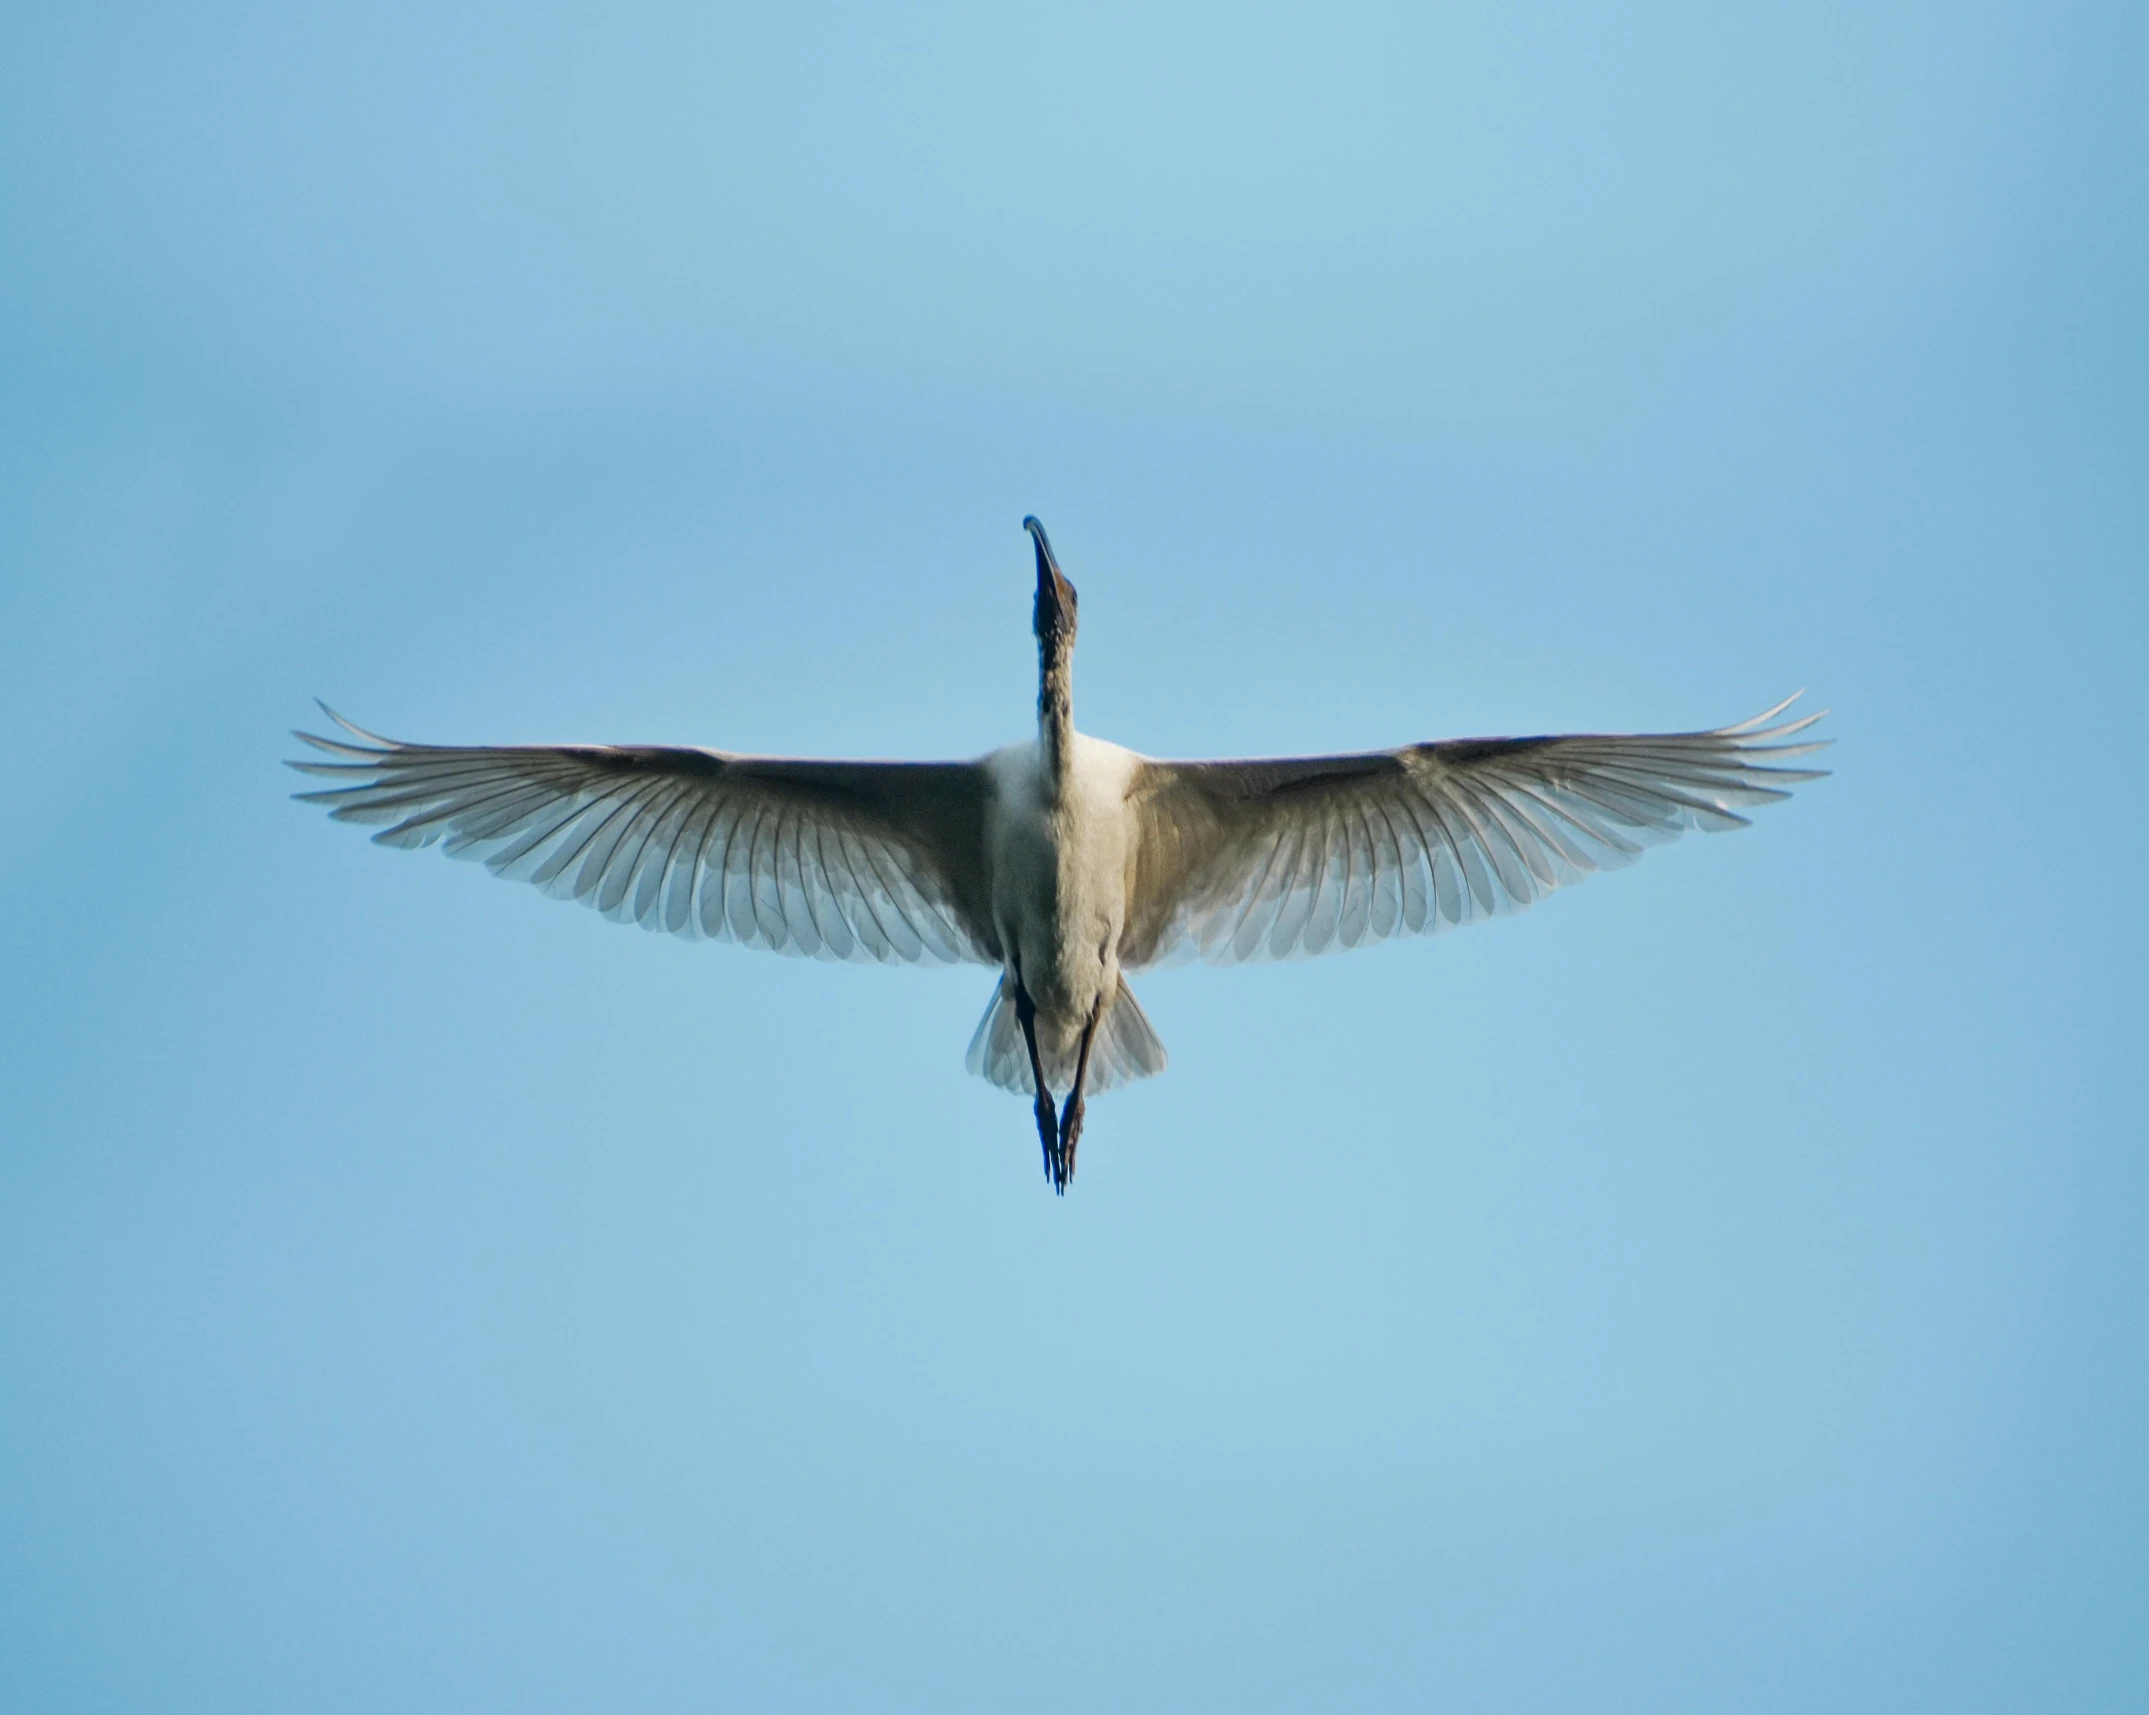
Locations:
{"points": [[1054, 617]]}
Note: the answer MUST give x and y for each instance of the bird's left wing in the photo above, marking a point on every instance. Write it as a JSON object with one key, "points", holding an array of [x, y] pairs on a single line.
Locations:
{"points": [[835, 860], [1293, 856]]}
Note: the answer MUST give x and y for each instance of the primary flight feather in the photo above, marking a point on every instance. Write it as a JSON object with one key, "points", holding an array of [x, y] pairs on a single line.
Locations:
{"points": [[1064, 861]]}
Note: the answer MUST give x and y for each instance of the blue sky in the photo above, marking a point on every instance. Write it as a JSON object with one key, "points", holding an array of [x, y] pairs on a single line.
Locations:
{"points": [[1719, 1288]]}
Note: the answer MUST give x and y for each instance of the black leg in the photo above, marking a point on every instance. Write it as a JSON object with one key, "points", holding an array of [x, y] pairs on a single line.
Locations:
{"points": [[1048, 1133], [1071, 1115]]}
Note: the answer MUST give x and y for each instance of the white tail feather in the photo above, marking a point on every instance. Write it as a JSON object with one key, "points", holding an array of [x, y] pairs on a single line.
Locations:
{"points": [[1125, 1050]]}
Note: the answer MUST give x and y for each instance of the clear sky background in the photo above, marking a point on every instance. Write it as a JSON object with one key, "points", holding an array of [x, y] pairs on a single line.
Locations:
{"points": [[1721, 1288]]}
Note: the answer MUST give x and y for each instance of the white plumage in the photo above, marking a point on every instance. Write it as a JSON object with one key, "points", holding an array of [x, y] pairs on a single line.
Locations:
{"points": [[1064, 860]]}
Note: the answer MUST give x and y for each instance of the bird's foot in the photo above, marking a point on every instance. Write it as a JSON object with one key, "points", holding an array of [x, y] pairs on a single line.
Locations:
{"points": [[1070, 1135], [1048, 1136]]}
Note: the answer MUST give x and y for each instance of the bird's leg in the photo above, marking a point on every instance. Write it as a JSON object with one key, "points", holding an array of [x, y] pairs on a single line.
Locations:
{"points": [[1071, 1114], [1048, 1133]]}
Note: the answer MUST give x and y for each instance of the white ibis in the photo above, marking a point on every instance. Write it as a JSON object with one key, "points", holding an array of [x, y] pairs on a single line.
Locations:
{"points": [[1064, 861]]}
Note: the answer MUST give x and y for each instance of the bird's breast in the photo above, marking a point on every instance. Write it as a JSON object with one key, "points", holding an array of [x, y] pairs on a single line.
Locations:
{"points": [[1059, 871]]}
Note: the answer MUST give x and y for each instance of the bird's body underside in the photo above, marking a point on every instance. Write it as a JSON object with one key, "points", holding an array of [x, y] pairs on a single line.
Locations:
{"points": [[1064, 861]]}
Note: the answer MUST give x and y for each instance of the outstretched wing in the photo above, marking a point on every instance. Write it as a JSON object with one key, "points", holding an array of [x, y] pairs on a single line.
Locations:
{"points": [[835, 860], [1285, 858]]}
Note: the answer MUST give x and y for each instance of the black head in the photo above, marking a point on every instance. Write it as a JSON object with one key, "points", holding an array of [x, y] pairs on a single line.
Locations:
{"points": [[1054, 618]]}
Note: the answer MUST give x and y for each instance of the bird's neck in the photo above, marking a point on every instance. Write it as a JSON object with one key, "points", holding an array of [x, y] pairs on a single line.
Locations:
{"points": [[1055, 709]]}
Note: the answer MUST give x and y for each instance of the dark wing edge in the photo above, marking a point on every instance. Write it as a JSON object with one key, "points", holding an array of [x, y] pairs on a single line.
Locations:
{"points": [[1288, 858], [837, 860]]}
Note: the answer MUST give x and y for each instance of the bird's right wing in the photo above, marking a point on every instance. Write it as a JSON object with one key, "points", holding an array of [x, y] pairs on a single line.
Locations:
{"points": [[835, 860], [1294, 856]]}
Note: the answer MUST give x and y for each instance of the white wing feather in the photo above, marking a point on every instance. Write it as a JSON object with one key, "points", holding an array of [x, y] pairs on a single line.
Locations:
{"points": [[834, 860], [1288, 858]]}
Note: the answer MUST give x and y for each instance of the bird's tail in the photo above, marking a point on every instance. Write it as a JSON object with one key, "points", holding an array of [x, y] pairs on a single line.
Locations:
{"points": [[1125, 1050]]}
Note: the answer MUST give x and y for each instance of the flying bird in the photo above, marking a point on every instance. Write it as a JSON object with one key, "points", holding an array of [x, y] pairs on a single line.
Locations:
{"points": [[1064, 861]]}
